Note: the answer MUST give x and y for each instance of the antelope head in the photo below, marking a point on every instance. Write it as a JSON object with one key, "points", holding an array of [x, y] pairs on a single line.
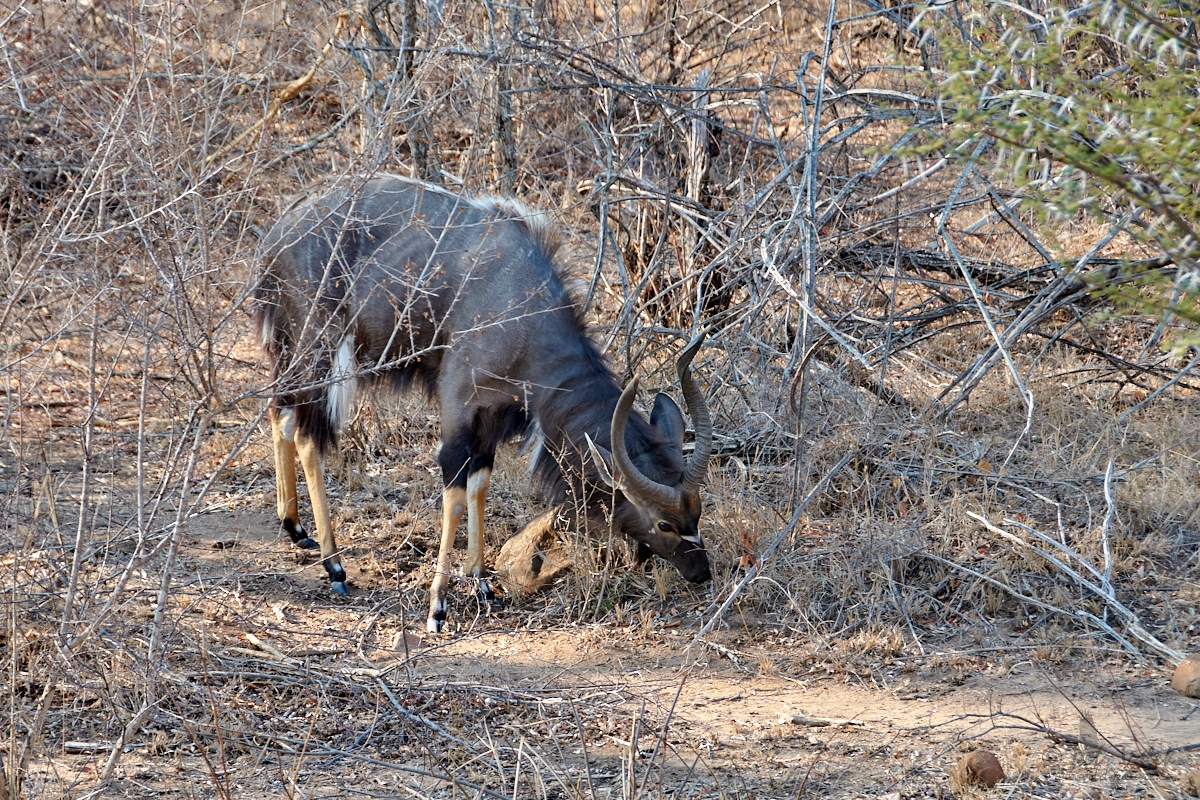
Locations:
{"points": [[658, 505]]}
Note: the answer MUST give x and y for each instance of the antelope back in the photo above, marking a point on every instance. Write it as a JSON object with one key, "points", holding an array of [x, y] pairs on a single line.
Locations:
{"points": [[383, 278]]}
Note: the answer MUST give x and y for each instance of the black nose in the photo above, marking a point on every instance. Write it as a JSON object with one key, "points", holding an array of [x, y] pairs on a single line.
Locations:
{"points": [[697, 572]]}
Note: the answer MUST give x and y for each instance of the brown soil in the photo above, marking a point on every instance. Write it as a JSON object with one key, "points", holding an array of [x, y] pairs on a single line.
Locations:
{"points": [[592, 710]]}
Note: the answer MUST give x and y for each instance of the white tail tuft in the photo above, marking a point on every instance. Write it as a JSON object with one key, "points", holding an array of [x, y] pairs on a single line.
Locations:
{"points": [[266, 331], [340, 394]]}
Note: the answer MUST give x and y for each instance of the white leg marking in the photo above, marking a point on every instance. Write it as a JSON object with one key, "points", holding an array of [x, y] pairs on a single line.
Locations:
{"points": [[287, 424]]}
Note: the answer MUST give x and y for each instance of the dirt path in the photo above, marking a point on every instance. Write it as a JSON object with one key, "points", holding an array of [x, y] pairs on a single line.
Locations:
{"points": [[328, 697], [901, 730]]}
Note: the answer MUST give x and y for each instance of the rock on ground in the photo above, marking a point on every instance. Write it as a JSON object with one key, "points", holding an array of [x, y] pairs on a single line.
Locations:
{"points": [[1186, 679], [534, 558], [981, 768]]}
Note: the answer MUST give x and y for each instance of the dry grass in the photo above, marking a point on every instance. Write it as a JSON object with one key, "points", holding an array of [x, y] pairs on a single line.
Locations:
{"points": [[152, 618]]}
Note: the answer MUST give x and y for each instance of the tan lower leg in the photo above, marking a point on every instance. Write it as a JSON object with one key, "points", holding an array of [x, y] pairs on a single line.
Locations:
{"points": [[454, 500], [285, 471], [477, 489], [314, 477]]}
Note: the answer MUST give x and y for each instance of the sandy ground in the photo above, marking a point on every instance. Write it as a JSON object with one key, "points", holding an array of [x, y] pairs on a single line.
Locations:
{"points": [[612, 710]]}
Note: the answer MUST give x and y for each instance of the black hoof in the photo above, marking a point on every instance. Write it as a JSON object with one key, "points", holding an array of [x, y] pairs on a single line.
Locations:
{"points": [[297, 534], [336, 577], [437, 616], [487, 596]]}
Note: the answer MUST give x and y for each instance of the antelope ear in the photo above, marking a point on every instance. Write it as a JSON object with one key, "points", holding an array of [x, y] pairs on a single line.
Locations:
{"points": [[603, 461], [668, 419]]}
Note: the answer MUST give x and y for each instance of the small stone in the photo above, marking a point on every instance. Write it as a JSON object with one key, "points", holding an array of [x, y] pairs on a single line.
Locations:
{"points": [[981, 768], [533, 559], [1186, 679]]}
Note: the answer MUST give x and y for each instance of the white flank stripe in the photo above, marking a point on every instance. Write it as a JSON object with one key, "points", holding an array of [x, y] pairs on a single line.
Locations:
{"points": [[340, 393]]}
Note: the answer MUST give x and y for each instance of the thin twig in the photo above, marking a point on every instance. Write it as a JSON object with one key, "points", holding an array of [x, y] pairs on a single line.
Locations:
{"points": [[1105, 532], [1139, 761], [433, 726]]}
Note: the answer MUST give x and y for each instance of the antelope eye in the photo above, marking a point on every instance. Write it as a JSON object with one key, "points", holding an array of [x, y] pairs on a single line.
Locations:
{"points": [[665, 527]]}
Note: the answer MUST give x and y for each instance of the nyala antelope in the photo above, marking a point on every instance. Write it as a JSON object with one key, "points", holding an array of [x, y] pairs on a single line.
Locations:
{"points": [[397, 283]]}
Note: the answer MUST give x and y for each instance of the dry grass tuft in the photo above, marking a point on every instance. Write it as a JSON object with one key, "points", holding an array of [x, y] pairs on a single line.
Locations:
{"points": [[1190, 781]]}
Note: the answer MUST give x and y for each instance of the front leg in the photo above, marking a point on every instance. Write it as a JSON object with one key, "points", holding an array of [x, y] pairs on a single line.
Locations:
{"points": [[314, 476], [477, 489], [453, 504]]}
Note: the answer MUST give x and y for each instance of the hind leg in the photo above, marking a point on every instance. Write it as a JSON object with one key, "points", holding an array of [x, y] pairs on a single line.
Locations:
{"points": [[283, 435], [314, 477]]}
